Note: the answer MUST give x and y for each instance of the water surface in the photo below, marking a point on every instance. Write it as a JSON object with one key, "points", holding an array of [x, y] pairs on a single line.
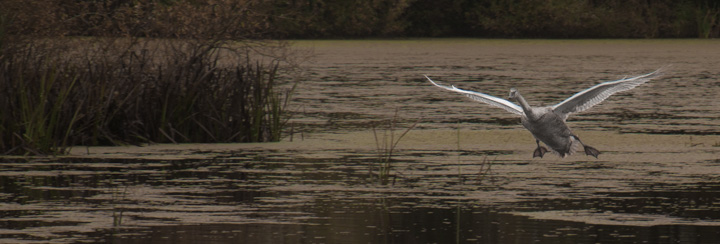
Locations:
{"points": [[465, 174]]}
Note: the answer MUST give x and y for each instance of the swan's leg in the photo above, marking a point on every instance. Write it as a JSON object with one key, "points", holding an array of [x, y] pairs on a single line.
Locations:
{"points": [[588, 149], [540, 150]]}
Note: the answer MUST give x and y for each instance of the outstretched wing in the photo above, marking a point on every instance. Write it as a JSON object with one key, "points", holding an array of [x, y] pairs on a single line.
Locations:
{"points": [[482, 97], [590, 97]]}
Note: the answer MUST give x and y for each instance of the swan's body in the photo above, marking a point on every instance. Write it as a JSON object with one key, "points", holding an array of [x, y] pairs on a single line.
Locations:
{"points": [[547, 124]]}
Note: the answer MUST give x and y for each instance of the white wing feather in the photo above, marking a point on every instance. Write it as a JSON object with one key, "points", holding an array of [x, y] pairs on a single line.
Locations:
{"points": [[584, 100], [482, 97]]}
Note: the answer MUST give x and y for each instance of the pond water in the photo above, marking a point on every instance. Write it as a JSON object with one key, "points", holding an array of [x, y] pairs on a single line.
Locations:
{"points": [[463, 174]]}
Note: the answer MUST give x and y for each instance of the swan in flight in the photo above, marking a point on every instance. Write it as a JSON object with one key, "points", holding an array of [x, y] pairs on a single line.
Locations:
{"points": [[547, 124]]}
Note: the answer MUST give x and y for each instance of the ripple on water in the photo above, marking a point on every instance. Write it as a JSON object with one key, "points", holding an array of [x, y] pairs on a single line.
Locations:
{"points": [[465, 174]]}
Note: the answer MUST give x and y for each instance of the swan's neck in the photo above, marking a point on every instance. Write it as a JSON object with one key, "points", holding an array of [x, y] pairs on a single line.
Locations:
{"points": [[526, 107]]}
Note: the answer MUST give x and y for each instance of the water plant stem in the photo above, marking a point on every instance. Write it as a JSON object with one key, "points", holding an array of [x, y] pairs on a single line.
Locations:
{"points": [[385, 146]]}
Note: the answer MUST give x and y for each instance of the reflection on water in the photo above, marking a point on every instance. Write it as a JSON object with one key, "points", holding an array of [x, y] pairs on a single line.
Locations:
{"points": [[643, 189], [256, 197]]}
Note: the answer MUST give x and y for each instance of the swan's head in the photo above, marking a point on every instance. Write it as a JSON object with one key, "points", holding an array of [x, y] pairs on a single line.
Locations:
{"points": [[513, 93]]}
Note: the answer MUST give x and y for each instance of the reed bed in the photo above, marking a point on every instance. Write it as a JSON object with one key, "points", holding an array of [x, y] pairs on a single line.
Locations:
{"points": [[55, 94]]}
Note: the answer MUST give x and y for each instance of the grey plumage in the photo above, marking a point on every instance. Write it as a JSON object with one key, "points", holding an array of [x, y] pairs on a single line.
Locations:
{"points": [[547, 124], [587, 98], [482, 97]]}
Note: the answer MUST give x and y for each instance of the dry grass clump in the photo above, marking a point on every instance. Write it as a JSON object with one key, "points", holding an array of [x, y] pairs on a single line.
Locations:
{"points": [[127, 72], [60, 93]]}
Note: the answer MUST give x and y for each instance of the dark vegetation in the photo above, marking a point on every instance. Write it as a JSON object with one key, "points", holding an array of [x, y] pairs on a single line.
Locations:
{"points": [[85, 79], [240, 19], [496, 18]]}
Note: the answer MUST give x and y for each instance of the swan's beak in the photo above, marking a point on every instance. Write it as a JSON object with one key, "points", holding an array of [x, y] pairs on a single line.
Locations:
{"points": [[512, 94]]}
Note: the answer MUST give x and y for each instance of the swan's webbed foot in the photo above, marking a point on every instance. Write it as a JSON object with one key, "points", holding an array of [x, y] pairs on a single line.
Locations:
{"points": [[591, 151], [539, 151]]}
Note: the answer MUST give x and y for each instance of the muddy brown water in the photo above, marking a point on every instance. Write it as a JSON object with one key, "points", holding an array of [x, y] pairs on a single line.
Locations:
{"points": [[465, 174]]}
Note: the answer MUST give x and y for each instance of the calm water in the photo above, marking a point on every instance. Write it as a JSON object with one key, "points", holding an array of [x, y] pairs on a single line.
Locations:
{"points": [[658, 182]]}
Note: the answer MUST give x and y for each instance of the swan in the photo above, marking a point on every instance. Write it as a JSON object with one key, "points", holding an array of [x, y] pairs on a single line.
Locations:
{"points": [[547, 124]]}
